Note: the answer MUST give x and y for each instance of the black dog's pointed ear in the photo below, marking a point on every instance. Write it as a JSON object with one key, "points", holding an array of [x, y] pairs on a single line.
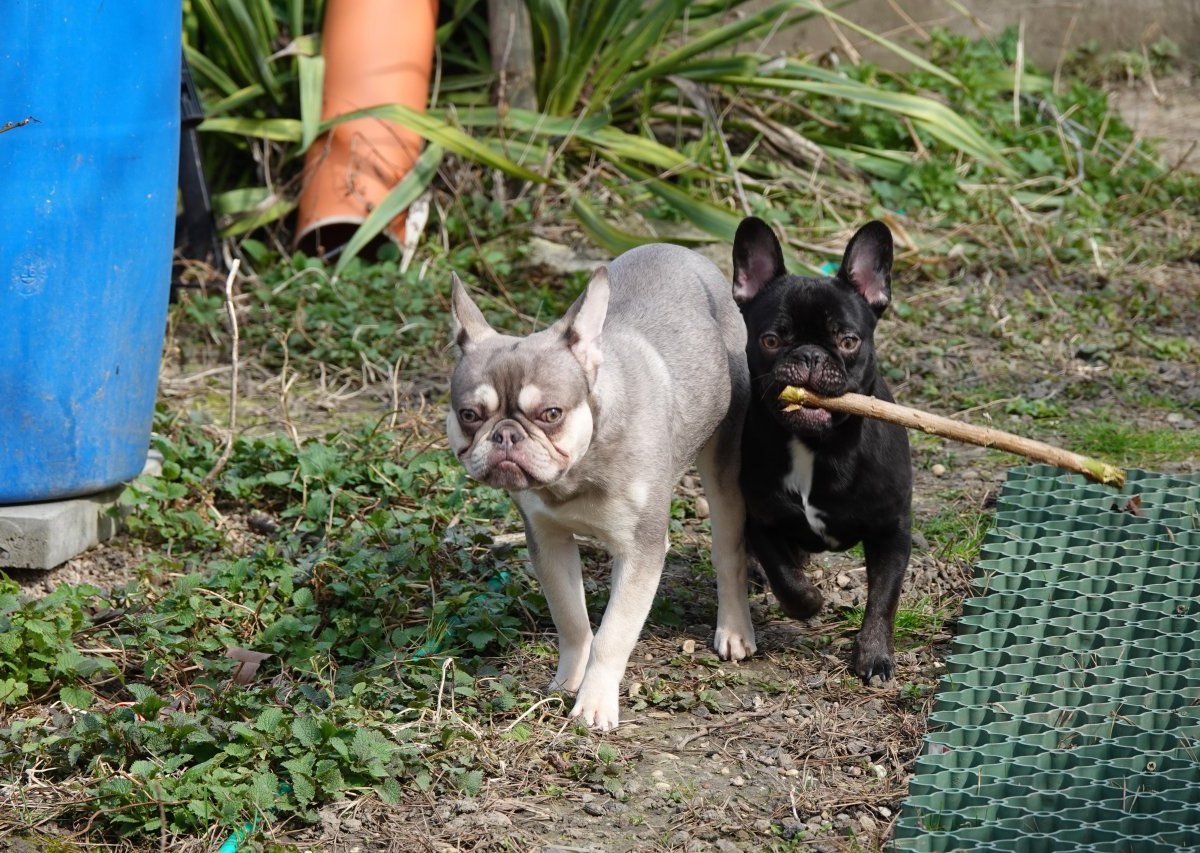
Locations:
{"points": [[867, 265], [757, 259]]}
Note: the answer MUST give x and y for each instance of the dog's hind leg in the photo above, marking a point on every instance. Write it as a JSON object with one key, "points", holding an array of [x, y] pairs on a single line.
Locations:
{"points": [[718, 462], [784, 568]]}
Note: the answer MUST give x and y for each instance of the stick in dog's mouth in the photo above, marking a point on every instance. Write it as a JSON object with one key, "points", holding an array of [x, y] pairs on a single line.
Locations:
{"points": [[871, 407]]}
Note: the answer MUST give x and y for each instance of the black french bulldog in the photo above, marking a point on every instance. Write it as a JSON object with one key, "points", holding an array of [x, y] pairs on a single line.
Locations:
{"points": [[815, 480]]}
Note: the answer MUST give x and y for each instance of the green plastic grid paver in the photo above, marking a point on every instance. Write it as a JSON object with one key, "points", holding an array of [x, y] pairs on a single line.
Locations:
{"points": [[1069, 715]]}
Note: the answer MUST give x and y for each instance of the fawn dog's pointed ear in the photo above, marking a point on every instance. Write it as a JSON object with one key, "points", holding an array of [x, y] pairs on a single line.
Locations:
{"points": [[583, 324], [468, 324]]}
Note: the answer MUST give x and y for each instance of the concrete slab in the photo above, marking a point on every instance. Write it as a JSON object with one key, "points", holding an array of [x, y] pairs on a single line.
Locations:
{"points": [[45, 535]]}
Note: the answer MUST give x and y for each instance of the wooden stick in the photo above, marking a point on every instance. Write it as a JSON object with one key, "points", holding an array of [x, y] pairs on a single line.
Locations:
{"points": [[871, 407]]}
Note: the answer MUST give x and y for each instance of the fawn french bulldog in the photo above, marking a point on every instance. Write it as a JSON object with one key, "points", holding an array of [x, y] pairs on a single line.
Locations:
{"points": [[590, 423]]}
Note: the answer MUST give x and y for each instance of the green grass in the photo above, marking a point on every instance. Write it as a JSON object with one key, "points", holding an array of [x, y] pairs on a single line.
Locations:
{"points": [[918, 620], [1130, 445], [957, 531]]}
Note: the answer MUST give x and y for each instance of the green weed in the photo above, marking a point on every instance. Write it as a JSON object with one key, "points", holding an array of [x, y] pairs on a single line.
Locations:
{"points": [[1131, 445], [919, 620], [957, 531], [372, 575]]}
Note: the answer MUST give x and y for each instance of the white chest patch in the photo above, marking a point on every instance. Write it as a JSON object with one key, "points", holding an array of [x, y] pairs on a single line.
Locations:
{"points": [[799, 481]]}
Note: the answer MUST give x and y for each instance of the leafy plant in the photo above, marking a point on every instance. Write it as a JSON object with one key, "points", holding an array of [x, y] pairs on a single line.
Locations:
{"points": [[361, 585], [617, 80]]}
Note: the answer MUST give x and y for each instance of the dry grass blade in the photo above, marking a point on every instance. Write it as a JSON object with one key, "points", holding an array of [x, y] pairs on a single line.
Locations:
{"points": [[231, 314]]}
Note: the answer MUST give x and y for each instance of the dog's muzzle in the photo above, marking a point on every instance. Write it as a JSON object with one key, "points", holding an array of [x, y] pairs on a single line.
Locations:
{"points": [[811, 368]]}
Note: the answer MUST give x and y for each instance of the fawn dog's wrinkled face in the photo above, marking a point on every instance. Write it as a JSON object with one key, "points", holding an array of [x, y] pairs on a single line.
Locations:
{"points": [[521, 408]]}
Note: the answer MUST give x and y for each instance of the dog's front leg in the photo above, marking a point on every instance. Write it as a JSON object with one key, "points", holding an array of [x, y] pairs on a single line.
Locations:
{"points": [[887, 560], [635, 579], [555, 557]]}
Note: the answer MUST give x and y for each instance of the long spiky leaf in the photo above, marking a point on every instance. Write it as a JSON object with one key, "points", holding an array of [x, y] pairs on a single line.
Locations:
{"points": [[312, 82], [710, 41], [626, 51], [602, 232], [438, 130], [276, 129], [705, 215], [406, 191], [935, 117]]}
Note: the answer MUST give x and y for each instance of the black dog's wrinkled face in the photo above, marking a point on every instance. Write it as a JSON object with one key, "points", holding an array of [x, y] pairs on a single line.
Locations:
{"points": [[813, 333]]}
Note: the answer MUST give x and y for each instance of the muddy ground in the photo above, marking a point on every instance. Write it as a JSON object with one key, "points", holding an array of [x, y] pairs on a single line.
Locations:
{"points": [[786, 750]]}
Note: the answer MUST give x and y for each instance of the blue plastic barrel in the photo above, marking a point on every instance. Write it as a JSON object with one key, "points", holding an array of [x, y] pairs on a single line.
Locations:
{"points": [[87, 210]]}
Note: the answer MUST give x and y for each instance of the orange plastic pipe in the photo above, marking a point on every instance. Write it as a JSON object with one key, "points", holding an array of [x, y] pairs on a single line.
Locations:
{"points": [[376, 52]]}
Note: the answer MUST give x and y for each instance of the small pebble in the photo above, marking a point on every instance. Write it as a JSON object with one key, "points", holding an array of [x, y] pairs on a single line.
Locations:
{"points": [[635, 689], [938, 470], [879, 771], [689, 647], [595, 809], [701, 507], [842, 580], [737, 781]]}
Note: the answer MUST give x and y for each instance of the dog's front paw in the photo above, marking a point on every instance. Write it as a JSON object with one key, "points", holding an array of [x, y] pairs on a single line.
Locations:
{"points": [[598, 704], [572, 664], [734, 638], [873, 660], [734, 643]]}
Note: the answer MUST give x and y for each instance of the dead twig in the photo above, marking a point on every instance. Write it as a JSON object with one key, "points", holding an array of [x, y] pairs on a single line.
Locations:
{"points": [[12, 125], [704, 731], [871, 407]]}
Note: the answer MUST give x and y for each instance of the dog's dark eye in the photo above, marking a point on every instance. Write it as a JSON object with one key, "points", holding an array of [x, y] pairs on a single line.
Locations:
{"points": [[551, 415], [770, 341], [468, 416], [848, 343]]}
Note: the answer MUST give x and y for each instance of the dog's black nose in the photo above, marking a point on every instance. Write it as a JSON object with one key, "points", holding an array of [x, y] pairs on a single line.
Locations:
{"points": [[507, 435], [810, 357]]}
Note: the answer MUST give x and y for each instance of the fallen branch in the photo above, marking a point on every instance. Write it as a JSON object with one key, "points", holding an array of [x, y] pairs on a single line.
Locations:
{"points": [[871, 407]]}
